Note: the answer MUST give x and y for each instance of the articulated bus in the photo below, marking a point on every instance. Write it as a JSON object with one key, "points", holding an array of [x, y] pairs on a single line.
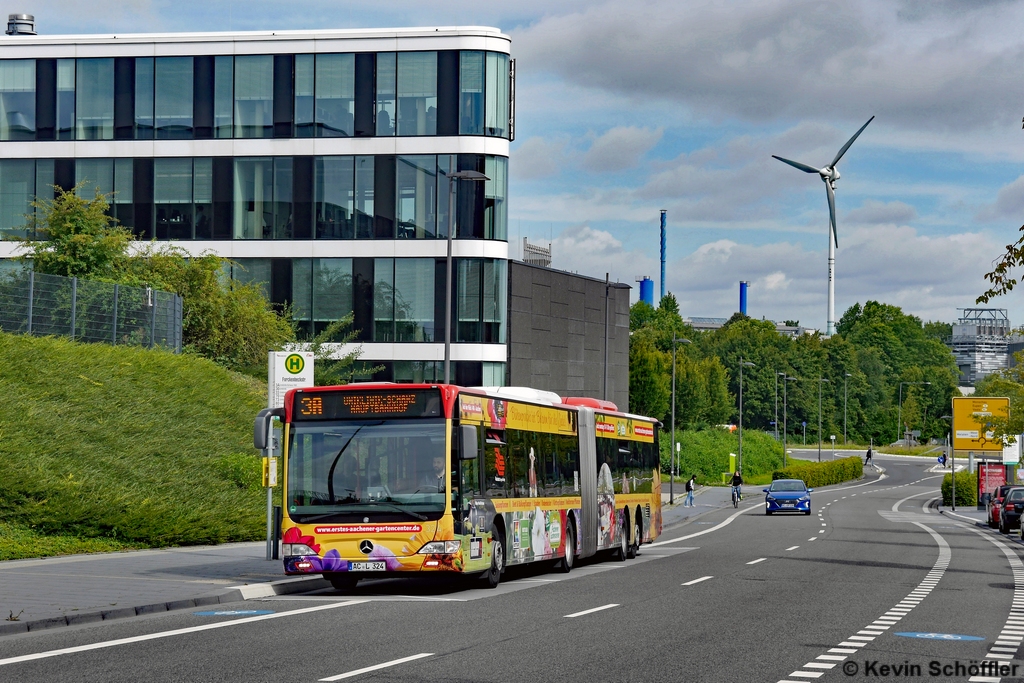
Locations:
{"points": [[382, 479]]}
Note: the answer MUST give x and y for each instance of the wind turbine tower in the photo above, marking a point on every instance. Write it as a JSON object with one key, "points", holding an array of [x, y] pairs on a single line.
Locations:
{"points": [[829, 175]]}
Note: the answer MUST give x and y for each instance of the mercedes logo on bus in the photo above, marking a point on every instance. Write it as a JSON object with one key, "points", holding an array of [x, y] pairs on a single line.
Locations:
{"points": [[365, 547]]}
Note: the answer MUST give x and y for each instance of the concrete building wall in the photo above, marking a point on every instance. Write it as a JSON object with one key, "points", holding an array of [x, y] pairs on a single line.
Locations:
{"points": [[556, 333]]}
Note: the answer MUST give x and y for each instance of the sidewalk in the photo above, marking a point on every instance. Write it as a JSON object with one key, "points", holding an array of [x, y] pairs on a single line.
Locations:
{"points": [[74, 589]]}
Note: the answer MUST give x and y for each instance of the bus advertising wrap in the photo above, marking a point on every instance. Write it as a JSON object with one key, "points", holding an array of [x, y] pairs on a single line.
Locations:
{"points": [[500, 414]]}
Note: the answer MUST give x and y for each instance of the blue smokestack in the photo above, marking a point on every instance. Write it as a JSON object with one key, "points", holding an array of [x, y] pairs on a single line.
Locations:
{"points": [[743, 296], [647, 290], [663, 240]]}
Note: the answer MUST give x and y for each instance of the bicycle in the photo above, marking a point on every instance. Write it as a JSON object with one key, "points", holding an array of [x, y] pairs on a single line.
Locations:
{"points": [[736, 497]]}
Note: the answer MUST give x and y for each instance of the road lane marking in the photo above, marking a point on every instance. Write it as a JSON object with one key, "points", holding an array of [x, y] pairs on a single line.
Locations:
{"points": [[760, 559], [375, 667], [793, 547], [175, 632], [703, 578], [1008, 641], [591, 611], [813, 539], [727, 522]]}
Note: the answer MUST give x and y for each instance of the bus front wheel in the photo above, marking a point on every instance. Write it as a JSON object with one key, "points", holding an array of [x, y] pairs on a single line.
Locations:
{"points": [[493, 575]]}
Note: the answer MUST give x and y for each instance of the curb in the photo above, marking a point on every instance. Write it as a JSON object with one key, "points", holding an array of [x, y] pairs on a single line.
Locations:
{"points": [[232, 594]]}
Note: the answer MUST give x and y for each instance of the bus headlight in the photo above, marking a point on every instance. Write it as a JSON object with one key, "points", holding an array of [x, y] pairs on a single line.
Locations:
{"points": [[296, 549], [441, 548]]}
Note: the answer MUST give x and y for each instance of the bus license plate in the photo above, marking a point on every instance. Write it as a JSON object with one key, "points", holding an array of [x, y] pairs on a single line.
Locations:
{"points": [[367, 566]]}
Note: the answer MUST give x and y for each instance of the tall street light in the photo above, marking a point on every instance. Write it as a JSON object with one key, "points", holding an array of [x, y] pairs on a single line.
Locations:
{"points": [[453, 178], [777, 403], [820, 382], [672, 449], [845, 396], [899, 410], [952, 462], [739, 464], [785, 408]]}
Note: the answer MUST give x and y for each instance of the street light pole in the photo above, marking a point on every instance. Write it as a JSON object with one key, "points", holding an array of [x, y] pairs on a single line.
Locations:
{"points": [[821, 381], [739, 464], [899, 411], [453, 178], [672, 447], [777, 404], [845, 396], [785, 410]]}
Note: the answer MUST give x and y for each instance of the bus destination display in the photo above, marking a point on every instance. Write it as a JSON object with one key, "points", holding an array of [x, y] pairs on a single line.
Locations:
{"points": [[347, 405]]}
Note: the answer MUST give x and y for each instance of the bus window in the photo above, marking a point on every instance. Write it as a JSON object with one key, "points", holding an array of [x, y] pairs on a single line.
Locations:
{"points": [[569, 464], [496, 464], [552, 478]]}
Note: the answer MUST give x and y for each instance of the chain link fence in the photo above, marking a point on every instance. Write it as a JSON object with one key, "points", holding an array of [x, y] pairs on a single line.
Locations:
{"points": [[89, 311]]}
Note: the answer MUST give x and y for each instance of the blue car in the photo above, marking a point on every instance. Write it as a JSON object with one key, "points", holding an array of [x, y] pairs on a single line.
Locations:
{"points": [[787, 495]]}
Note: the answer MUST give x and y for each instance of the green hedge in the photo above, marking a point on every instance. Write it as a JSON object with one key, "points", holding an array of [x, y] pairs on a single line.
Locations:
{"points": [[705, 453], [823, 473], [966, 489]]}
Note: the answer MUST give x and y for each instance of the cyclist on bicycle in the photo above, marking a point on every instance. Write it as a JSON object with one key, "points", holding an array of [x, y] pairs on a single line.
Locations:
{"points": [[737, 482]]}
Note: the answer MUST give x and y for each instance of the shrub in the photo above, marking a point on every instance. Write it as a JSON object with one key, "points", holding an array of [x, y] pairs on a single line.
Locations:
{"points": [[966, 489], [706, 452], [823, 473]]}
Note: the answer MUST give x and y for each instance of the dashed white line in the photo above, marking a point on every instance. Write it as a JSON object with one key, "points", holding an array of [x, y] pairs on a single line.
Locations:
{"points": [[591, 610], [760, 559], [375, 667], [792, 547], [703, 578]]}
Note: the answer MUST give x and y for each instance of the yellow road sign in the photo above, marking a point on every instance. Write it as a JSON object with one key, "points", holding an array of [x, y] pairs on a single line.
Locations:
{"points": [[972, 419]]}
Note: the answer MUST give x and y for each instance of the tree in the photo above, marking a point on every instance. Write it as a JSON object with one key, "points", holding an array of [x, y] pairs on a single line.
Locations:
{"points": [[649, 383], [75, 237], [333, 365], [1000, 276]]}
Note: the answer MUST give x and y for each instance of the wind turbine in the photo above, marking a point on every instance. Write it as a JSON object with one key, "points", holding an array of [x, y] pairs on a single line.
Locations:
{"points": [[829, 175]]}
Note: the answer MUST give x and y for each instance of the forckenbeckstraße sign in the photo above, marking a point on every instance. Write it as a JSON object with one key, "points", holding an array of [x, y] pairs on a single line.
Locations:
{"points": [[287, 370]]}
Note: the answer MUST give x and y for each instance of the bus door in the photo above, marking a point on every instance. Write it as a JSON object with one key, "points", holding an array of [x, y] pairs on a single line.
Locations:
{"points": [[588, 482]]}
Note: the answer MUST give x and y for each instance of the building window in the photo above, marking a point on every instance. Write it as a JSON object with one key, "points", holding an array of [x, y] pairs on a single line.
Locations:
{"points": [[497, 78], [414, 299], [494, 374], [252, 208], [223, 96], [17, 99], [254, 96], [173, 94], [416, 197], [384, 110], [202, 197], [66, 99], [495, 208], [364, 197], [283, 227], [334, 197], [94, 101], [94, 176], [19, 179], [384, 300], [335, 95], [417, 93], [301, 296], [253, 271], [332, 291], [471, 93], [172, 198], [494, 300], [481, 300], [144, 87], [418, 371], [123, 202], [304, 101]]}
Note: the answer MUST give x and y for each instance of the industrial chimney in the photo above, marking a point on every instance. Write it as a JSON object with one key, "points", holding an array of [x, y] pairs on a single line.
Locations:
{"points": [[21, 25]]}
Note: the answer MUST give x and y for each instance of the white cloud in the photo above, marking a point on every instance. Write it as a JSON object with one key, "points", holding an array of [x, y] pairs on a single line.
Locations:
{"points": [[621, 147], [1009, 203], [538, 157]]}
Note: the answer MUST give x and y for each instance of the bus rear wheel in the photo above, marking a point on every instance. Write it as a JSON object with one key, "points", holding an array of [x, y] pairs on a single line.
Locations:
{"points": [[493, 575], [342, 582], [565, 565], [638, 534], [622, 552]]}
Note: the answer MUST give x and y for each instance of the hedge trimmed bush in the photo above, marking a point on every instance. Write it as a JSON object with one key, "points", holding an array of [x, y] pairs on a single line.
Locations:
{"points": [[823, 473], [706, 452], [966, 489]]}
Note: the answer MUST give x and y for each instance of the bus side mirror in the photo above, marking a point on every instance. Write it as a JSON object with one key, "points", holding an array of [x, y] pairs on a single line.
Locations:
{"points": [[469, 442], [262, 425]]}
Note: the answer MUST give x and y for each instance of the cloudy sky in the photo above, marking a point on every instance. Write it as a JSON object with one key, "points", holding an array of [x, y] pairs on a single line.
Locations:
{"points": [[630, 106]]}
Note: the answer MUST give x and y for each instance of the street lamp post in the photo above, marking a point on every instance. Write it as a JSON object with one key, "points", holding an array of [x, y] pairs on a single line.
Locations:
{"points": [[899, 410], [821, 381], [739, 464], [952, 463], [453, 178], [672, 449], [845, 396], [777, 403], [785, 409]]}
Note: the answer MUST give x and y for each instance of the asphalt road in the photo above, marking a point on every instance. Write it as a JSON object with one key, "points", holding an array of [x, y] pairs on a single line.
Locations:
{"points": [[786, 598]]}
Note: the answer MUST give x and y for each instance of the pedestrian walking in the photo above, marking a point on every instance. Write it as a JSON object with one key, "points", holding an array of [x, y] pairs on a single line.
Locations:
{"points": [[688, 503], [867, 458]]}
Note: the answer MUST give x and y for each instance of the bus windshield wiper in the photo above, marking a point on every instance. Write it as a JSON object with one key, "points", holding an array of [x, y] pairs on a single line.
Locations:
{"points": [[337, 457]]}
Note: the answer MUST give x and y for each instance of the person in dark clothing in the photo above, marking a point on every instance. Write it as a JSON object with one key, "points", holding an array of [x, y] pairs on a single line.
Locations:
{"points": [[737, 482], [867, 458], [688, 503]]}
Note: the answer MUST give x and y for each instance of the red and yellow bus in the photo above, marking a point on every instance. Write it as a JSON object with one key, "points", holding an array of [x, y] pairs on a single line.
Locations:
{"points": [[381, 479]]}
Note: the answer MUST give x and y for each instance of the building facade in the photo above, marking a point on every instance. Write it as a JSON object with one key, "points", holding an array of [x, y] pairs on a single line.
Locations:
{"points": [[981, 343], [317, 161]]}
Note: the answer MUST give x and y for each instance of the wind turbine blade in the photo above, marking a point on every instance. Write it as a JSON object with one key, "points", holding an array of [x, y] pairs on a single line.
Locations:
{"points": [[796, 164], [850, 142], [832, 210]]}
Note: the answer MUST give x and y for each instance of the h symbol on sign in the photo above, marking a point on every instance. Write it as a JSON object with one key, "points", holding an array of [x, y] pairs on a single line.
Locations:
{"points": [[294, 363]]}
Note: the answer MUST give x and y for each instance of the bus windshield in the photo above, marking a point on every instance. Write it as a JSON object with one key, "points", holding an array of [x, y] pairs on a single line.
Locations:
{"points": [[388, 469]]}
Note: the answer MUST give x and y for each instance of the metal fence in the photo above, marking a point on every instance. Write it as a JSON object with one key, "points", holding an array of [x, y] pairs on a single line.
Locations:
{"points": [[89, 311]]}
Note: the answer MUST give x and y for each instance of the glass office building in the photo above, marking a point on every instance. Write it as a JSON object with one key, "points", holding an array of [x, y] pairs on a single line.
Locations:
{"points": [[316, 161]]}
